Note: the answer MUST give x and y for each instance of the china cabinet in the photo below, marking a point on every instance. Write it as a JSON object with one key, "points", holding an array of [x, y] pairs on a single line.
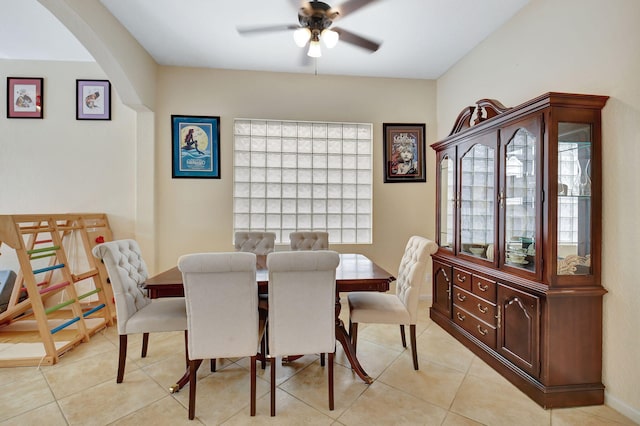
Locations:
{"points": [[517, 276]]}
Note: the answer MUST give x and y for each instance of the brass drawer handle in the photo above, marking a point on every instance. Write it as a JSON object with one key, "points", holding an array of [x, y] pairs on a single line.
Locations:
{"points": [[481, 309], [483, 288], [460, 316], [481, 330], [461, 278], [461, 297]]}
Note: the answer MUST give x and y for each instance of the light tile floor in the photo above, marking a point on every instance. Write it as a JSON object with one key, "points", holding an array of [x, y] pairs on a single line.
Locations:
{"points": [[452, 387]]}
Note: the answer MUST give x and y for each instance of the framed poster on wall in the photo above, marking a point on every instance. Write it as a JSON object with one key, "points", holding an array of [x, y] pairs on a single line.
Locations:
{"points": [[404, 157], [195, 147]]}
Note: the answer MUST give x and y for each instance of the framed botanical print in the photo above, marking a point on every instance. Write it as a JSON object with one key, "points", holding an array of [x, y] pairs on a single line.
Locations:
{"points": [[93, 100], [25, 97]]}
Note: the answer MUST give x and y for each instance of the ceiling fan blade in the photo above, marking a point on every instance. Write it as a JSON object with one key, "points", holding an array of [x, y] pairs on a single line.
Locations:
{"points": [[305, 8], [351, 6], [266, 29], [349, 37]]}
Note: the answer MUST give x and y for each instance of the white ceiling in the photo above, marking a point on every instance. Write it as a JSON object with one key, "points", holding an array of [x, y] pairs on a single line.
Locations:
{"points": [[420, 38]]}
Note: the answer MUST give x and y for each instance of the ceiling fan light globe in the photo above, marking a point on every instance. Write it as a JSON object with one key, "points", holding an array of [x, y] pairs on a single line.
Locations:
{"points": [[301, 36], [329, 38], [314, 49]]}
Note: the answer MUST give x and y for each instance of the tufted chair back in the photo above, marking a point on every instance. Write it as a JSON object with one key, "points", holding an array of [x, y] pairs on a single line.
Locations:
{"points": [[309, 240], [412, 272], [127, 271], [260, 243], [399, 308]]}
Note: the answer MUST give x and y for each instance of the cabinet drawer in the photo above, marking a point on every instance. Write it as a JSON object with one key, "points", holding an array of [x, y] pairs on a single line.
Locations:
{"points": [[481, 330], [462, 278], [479, 307], [484, 288]]}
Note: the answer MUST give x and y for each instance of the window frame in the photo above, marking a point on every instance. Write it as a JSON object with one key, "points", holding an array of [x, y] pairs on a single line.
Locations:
{"points": [[304, 175]]}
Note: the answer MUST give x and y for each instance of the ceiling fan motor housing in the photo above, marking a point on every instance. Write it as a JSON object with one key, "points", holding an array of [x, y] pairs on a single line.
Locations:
{"points": [[316, 16]]}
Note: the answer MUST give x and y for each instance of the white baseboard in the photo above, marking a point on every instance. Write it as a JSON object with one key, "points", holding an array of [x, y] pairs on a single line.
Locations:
{"points": [[622, 407], [426, 297]]}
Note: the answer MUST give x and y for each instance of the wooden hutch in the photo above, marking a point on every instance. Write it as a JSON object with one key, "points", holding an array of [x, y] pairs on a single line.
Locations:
{"points": [[517, 275]]}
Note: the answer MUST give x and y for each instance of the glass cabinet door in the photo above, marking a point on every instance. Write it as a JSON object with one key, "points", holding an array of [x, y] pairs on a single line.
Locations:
{"points": [[447, 202], [477, 201], [519, 199], [574, 199]]}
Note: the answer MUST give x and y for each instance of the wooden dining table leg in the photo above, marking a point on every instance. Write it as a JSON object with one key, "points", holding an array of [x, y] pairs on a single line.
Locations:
{"points": [[343, 337], [184, 379]]}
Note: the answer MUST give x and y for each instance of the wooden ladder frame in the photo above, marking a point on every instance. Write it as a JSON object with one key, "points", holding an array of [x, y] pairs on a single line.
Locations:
{"points": [[25, 234]]}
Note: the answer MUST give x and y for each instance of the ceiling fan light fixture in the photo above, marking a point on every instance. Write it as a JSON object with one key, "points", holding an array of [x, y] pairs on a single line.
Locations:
{"points": [[314, 49], [301, 36], [329, 38]]}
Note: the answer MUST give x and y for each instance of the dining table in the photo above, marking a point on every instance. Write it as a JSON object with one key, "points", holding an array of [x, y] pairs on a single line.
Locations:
{"points": [[356, 272]]}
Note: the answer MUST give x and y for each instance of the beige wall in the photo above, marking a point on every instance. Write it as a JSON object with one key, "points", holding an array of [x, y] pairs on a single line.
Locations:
{"points": [[60, 164], [582, 46], [196, 214]]}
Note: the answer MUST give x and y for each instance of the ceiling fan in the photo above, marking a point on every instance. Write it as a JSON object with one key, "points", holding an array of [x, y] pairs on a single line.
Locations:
{"points": [[315, 23]]}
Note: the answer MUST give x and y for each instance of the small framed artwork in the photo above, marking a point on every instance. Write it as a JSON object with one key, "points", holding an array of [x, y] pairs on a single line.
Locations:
{"points": [[25, 97], [195, 146], [404, 157], [93, 100]]}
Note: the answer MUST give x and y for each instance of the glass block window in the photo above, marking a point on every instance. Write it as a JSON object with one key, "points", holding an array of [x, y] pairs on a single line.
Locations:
{"points": [[300, 175]]}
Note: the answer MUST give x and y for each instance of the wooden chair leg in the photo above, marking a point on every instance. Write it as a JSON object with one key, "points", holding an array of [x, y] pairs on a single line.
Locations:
{"points": [[213, 365], [122, 358], [331, 356], [322, 360], [263, 350], [414, 348], [145, 344], [193, 369], [402, 336], [273, 386], [186, 348], [263, 316], [353, 331], [253, 385]]}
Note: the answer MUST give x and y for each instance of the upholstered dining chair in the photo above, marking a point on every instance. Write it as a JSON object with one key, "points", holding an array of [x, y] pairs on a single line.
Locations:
{"points": [[401, 307], [302, 297], [309, 240], [259, 243], [135, 311], [222, 311]]}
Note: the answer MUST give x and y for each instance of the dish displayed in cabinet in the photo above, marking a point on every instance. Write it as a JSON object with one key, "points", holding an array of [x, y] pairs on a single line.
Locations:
{"points": [[478, 251]]}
